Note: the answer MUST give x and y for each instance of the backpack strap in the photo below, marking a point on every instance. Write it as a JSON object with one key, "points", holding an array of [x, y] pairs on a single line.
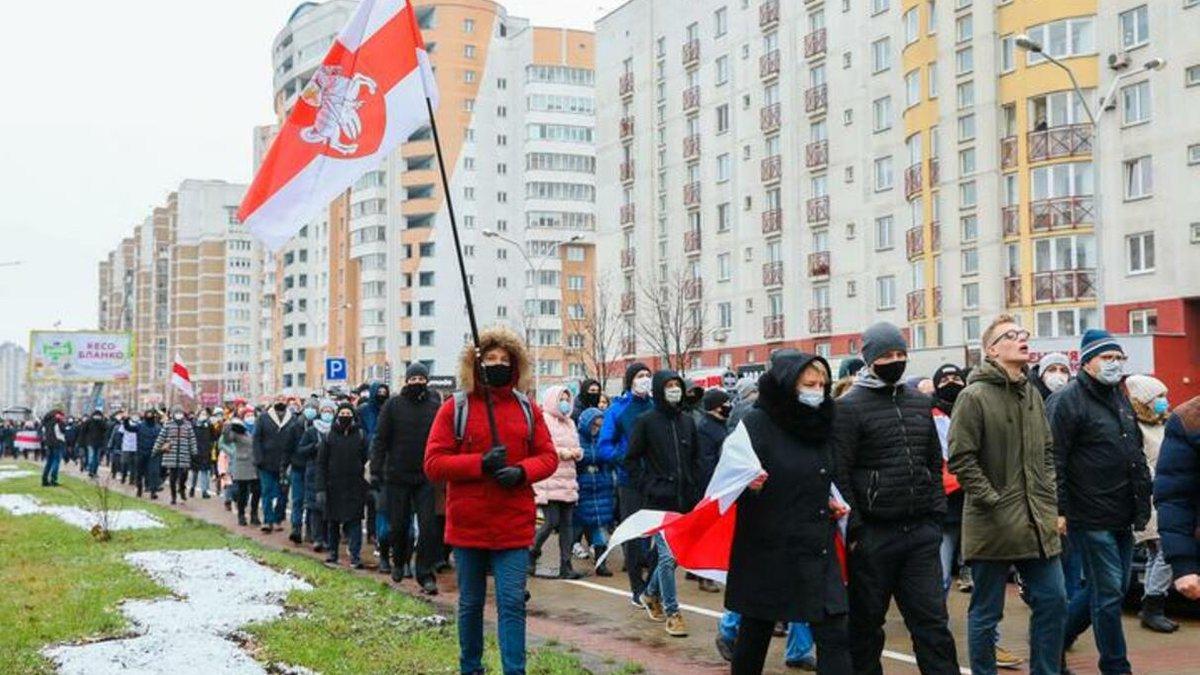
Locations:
{"points": [[461, 410], [527, 409]]}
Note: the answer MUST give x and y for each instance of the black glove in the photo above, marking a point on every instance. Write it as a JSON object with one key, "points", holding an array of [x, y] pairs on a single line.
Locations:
{"points": [[495, 459], [510, 476], [321, 500]]}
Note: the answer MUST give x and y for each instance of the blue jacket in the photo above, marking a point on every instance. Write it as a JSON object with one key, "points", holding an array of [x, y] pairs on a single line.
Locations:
{"points": [[368, 413], [597, 480], [1177, 489], [147, 435], [618, 426]]}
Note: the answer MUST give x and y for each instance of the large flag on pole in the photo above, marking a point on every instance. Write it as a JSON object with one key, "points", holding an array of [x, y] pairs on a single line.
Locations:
{"points": [[702, 539], [366, 98], [181, 379]]}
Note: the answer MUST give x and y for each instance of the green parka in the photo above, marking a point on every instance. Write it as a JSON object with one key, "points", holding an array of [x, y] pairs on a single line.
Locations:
{"points": [[1002, 452]]}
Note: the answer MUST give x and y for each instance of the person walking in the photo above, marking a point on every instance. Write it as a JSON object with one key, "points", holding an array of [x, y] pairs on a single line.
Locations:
{"points": [[176, 445], [490, 512], [147, 463], [890, 458], [747, 393], [1148, 395], [1002, 453], [276, 435], [27, 440], [783, 564], [341, 485], [369, 406], [715, 409], [1103, 491], [1177, 496], [558, 494], [297, 463], [206, 434], [589, 397], [93, 436], [663, 462], [596, 508], [126, 432], [397, 468], [54, 439], [237, 443], [310, 445]]}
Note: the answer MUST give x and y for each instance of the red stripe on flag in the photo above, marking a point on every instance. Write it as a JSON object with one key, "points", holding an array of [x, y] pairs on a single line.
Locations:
{"points": [[181, 370]]}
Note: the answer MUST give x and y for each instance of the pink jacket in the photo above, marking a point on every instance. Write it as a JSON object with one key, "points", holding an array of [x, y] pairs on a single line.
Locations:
{"points": [[562, 486]]}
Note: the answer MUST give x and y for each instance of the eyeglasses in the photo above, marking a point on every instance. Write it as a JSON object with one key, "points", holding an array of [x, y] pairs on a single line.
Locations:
{"points": [[1115, 357], [1013, 334]]}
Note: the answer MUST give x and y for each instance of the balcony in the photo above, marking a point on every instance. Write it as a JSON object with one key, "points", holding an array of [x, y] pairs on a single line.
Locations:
{"points": [[772, 168], [627, 171], [1070, 140], [768, 14], [818, 264], [937, 300], [933, 172], [1010, 218], [691, 242], [772, 221], [773, 328], [628, 258], [1008, 153], [628, 302], [916, 305], [935, 236], [691, 53], [1061, 213], [770, 117], [817, 209], [691, 146], [1012, 291], [814, 43], [628, 211], [768, 65], [693, 289], [691, 194], [626, 85], [816, 99], [820, 321], [629, 345], [914, 242], [691, 97], [912, 181], [772, 273], [627, 127], [816, 154], [1064, 286]]}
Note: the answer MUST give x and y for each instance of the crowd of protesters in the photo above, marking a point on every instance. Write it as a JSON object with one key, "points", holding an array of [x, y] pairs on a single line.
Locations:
{"points": [[999, 473]]}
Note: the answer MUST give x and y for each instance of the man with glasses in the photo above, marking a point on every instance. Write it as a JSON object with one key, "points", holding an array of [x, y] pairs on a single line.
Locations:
{"points": [[1002, 453], [1103, 491]]}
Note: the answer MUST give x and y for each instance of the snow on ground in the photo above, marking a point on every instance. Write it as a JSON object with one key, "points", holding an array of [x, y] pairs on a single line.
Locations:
{"points": [[8, 471], [217, 592], [25, 505]]}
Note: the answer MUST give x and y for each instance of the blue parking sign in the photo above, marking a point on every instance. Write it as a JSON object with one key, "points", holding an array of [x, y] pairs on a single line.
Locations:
{"points": [[335, 370]]}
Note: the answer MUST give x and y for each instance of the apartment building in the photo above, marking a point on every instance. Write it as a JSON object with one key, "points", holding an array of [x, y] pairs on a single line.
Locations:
{"points": [[117, 303], [819, 165], [14, 369]]}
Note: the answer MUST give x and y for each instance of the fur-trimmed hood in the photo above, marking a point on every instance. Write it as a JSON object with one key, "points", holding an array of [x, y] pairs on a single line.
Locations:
{"points": [[496, 337]]}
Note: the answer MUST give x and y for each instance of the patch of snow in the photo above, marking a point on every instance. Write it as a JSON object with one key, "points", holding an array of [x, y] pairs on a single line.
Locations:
{"points": [[217, 592], [14, 472], [25, 505]]}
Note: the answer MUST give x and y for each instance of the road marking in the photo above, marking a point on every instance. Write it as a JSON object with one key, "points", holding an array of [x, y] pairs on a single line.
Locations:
{"points": [[887, 653]]}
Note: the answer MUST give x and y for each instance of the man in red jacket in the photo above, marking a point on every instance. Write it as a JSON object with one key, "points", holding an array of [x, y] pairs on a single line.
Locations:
{"points": [[490, 512]]}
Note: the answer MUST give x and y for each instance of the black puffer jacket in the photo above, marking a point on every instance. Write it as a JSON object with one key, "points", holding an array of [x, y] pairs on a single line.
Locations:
{"points": [[663, 459], [1101, 469], [889, 455], [275, 441], [398, 447]]}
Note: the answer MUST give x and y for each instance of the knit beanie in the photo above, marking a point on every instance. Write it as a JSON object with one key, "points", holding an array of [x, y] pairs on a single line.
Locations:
{"points": [[850, 366], [1097, 341], [714, 398], [880, 339], [745, 387], [416, 369], [1053, 359], [633, 369], [1144, 388]]}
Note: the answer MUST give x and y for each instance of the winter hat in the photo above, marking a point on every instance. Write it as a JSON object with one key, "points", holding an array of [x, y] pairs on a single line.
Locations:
{"points": [[714, 398], [310, 403], [1095, 342], [745, 387], [327, 404], [1053, 359], [879, 339], [782, 353], [947, 369], [1144, 388], [850, 367], [633, 369], [416, 369]]}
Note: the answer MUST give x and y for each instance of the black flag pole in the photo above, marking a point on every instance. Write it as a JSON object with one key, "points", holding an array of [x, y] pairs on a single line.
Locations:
{"points": [[462, 270]]}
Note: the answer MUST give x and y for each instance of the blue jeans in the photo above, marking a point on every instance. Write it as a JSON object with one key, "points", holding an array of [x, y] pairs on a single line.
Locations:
{"points": [[1047, 598], [297, 490], [93, 460], [1107, 558], [50, 469], [272, 497], [799, 636], [596, 535], [662, 579], [353, 531], [508, 568], [1072, 569]]}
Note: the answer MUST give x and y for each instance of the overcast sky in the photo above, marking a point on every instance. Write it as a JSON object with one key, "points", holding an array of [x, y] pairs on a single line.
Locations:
{"points": [[107, 106]]}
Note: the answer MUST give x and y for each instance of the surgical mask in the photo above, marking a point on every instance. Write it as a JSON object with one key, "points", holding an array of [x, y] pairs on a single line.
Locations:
{"points": [[564, 407], [327, 417], [177, 416], [497, 374], [248, 420], [641, 385], [310, 414], [1055, 381], [730, 382], [1110, 372], [1161, 406], [673, 395], [812, 398], [890, 372]]}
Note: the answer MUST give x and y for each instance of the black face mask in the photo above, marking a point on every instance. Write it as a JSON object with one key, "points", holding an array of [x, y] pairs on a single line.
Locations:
{"points": [[590, 400], [891, 372], [280, 407], [381, 395], [725, 411], [497, 375], [345, 422], [949, 392], [413, 391]]}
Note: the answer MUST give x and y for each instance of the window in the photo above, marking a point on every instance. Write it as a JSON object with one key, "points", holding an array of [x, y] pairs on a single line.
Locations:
{"points": [[970, 261], [881, 113], [1135, 27], [724, 267], [583, 77], [469, 51], [933, 83], [881, 55], [1063, 38], [964, 61], [468, 25], [883, 233], [912, 88], [879, 6], [970, 296], [720, 22], [965, 93], [1141, 252], [885, 293], [931, 12], [575, 254], [1135, 103], [967, 196], [1064, 253], [1139, 178], [723, 217], [1191, 77], [1143, 321], [723, 167], [1062, 180], [722, 66], [1065, 322], [912, 26], [722, 118], [1194, 154], [1007, 54], [966, 127], [966, 162], [970, 328], [969, 228], [964, 28], [883, 174]]}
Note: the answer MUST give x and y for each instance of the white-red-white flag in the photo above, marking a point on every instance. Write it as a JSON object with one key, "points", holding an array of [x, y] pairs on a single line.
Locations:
{"points": [[181, 379], [701, 540], [365, 99]]}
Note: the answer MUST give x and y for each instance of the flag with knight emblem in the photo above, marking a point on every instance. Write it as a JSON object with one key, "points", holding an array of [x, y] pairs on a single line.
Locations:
{"points": [[367, 97]]}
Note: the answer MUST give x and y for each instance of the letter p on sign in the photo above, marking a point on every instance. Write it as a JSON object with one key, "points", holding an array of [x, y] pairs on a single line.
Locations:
{"points": [[335, 370]]}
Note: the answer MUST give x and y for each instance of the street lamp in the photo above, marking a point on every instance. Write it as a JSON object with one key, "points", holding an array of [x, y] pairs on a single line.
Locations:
{"points": [[1028, 44], [536, 268]]}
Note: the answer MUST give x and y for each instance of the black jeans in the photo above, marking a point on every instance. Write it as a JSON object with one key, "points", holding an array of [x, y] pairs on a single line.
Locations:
{"points": [[899, 560], [403, 502], [177, 478], [558, 519], [247, 490], [638, 561], [831, 636]]}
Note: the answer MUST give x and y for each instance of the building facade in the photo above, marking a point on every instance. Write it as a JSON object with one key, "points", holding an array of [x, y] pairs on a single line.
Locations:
{"points": [[14, 369]]}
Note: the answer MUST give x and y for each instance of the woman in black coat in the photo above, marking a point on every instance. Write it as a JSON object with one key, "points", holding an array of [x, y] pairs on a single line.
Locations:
{"points": [[341, 483], [783, 565]]}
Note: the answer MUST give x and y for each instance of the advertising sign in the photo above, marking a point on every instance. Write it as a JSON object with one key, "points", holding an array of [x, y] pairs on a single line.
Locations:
{"points": [[80, 356]]}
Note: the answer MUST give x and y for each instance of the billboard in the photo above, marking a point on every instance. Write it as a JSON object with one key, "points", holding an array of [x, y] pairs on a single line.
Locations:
{"points": [[80, 356]]}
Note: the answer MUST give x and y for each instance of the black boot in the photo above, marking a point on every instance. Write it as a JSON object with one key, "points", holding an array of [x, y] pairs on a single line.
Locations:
{"points": [[565, 571], [533, 558], [242, 518], [294, 537], [1152, 615], [385, 567], [601, 569]]}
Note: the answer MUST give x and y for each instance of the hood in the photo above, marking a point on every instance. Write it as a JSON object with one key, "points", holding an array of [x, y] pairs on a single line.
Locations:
{"points": [[659, 383], [550, 400], [374, 389], [496, 337], [777, 397], [630, 371], [585, 424], [989, 371]]}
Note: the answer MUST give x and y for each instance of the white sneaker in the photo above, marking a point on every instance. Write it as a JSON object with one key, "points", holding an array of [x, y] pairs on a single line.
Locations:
{"points": [[580, 551]]}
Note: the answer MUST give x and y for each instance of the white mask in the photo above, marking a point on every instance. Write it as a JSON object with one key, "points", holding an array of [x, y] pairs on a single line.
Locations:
{"points": [[641, 385], [1055, 381], [673, 395], [1110, 372], [812, 398]]}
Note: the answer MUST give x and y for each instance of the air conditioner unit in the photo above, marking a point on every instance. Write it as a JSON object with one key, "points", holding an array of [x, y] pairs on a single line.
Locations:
{"points": [[1119, 61]]}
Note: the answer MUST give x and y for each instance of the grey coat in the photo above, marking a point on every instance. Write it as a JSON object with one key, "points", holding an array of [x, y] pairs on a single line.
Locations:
{"points": [[177, 443], [240, 448]]}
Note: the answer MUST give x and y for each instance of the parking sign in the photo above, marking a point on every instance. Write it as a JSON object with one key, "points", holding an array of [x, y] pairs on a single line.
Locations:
{"points": [[335, 370]]}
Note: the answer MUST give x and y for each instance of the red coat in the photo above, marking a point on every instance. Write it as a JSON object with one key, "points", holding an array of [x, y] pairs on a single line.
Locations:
{"points": [[479, 512]]}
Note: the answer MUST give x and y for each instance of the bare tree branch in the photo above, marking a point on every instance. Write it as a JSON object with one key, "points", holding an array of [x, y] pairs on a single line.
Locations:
{"points": [[599, 326], [672, 321]]}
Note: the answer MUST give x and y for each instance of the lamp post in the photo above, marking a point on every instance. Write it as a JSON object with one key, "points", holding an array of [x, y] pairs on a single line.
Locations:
{"points": [[1026, 43], [536, 268]]}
